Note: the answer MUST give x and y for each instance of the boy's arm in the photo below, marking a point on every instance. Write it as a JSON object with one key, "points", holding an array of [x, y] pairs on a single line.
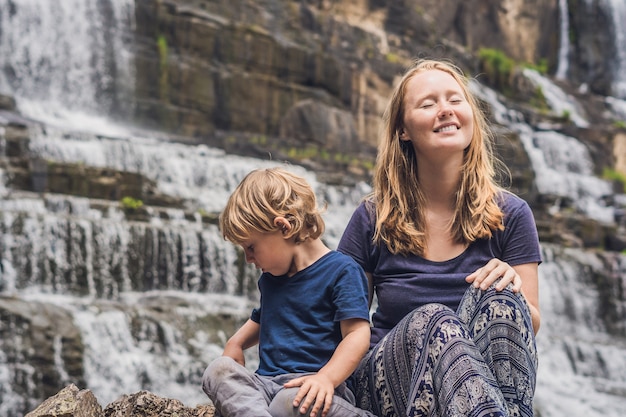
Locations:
{"points": [[244, 338], [317, 390], [355, 343]]}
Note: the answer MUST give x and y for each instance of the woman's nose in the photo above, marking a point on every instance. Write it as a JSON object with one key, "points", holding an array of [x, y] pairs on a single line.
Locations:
{"points": [[445, 110]]}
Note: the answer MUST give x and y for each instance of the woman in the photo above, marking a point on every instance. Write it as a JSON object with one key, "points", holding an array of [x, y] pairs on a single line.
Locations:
{"points": [[452, 258]]}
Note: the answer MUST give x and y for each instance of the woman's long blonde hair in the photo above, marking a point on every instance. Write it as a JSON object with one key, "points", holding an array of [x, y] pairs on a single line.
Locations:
{"points": [[398, 197]]}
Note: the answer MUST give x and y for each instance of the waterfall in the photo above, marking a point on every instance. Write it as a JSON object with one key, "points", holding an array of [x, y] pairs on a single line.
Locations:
{"points": [[67, 60], [564, 45], [126, 305], [562, 164], [617, 11], [561, 104], [578, 359]]}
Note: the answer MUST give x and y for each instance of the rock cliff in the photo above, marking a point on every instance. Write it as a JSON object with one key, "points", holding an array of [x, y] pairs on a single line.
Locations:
{"points": [[298, 81]]}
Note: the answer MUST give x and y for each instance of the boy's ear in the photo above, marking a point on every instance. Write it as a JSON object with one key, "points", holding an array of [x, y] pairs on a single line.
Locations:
{"points": [[283, 224]]}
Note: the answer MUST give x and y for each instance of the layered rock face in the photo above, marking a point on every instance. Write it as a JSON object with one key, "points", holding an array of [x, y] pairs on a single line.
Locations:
{"points": [[299, 81]]}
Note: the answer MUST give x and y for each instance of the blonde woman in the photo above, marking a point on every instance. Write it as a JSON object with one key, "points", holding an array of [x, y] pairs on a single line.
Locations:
{"points": [[452, 258]]}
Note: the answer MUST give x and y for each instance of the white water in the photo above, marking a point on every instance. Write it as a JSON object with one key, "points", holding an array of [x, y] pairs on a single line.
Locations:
{"points": [[562, 164], [617, 10], [561, 103], [564, 44], [59, 53], [582, 371], [60, 90]]}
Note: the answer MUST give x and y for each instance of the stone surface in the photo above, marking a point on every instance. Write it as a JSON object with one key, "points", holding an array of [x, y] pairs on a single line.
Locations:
{"points": [[72, 402], [147, 404], [69, 402]]}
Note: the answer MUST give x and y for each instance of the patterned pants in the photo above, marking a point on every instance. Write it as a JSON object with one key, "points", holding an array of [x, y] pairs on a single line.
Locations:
{"points": [[478, 361]]}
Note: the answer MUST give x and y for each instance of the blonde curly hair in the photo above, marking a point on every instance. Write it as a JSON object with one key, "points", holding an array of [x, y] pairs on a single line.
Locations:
{"points": [[265, 194]]}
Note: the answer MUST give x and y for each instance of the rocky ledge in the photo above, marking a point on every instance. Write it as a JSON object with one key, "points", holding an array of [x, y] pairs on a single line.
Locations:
{"points": [[74, 402]]}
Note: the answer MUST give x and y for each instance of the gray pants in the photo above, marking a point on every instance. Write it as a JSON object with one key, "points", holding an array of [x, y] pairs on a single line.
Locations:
{"points": [[239, 392]]}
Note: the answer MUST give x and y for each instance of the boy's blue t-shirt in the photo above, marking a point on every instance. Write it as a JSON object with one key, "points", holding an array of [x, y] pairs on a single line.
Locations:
{"points": [[299, 315], [403, 283]]}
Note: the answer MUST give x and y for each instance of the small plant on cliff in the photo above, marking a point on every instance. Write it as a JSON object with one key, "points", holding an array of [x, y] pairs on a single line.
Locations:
{"points": [[392, 58], [163, 72], [539, 101], [541, 67], [130, 203], [498, 68], [616, 176], [619, 124]]}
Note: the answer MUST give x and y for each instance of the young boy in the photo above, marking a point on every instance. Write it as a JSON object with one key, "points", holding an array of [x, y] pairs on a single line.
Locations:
{"points": [[312, 325]]}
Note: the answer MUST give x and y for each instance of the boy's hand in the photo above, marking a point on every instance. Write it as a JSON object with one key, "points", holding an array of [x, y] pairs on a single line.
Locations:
{"points": [[316, 391]]}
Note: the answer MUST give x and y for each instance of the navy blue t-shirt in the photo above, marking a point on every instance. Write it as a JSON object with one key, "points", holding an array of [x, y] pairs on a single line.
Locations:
{"points": [[299, 315], [403, 283]]}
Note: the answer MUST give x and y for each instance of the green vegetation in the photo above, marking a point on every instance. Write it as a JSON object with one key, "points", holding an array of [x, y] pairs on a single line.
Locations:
{"points": [[620, 124], [258, 140], [498, 68], [539, 101], [130, 203], [616, 176], [541, 67], [392, 58], [163, 66], [162, 46]]}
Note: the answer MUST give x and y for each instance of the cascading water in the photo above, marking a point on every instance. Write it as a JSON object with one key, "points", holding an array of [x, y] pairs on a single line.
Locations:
{"points": [[147, 304], [564, 45], [617, 10], [65, 59]]}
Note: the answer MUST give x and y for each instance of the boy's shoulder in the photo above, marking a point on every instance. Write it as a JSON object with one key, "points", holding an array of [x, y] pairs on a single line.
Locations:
{"points": [[334, 256]]}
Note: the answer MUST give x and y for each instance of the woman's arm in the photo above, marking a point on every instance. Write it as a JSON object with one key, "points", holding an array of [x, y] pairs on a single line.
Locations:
{"points": [[530, 290]]}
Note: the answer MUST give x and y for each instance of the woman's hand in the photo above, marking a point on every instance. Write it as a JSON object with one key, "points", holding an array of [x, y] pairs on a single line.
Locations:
{"points": [[495, 269], [317, 392]]}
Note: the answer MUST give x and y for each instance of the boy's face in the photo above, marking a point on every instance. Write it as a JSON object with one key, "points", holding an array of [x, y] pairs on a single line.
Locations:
{"points": [[271, 252]]}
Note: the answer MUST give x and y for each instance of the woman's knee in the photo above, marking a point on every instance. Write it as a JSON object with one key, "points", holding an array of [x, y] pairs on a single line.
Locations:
{"points": [[424, 317]]}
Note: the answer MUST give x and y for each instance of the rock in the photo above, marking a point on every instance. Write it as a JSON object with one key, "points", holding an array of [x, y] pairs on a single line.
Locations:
{"points": [[72, 402], [69, 402], [147, 404], [7, 102]]}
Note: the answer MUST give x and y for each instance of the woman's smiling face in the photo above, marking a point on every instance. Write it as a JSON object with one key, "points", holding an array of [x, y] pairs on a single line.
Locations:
{"points": [[436, 113]]}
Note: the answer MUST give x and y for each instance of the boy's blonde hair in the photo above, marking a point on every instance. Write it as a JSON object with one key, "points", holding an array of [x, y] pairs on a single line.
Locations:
{"points": [[265, 194]]}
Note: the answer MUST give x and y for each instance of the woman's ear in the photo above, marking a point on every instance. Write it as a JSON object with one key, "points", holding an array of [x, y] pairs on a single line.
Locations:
{"points": [[403, 135]]}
